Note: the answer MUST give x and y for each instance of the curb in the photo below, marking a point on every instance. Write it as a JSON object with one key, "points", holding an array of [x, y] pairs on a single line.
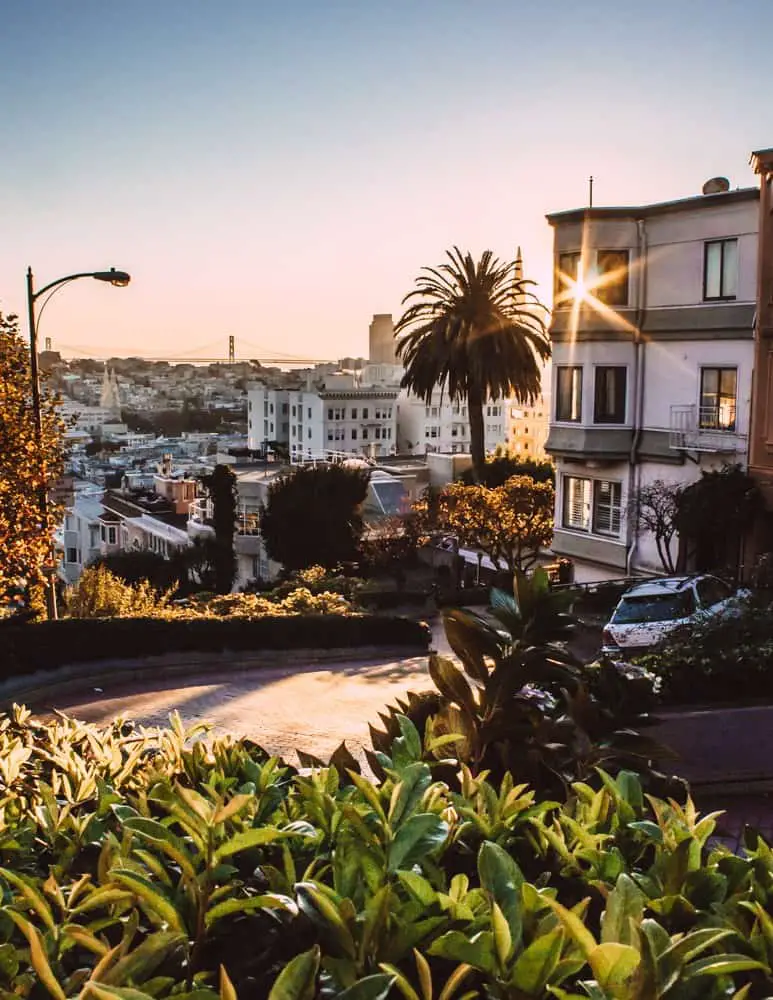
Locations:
{"points": [[44, 685]]}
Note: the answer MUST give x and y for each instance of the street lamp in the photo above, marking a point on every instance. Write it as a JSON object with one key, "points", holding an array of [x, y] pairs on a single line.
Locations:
{"points": [[118, 278]]}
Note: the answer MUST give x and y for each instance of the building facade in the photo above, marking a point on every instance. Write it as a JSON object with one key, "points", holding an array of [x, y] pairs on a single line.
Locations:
{"points": [[653, 354], [442, 426], [528, 427]]}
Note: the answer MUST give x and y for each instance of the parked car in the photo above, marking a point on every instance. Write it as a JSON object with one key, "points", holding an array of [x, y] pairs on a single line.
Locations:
{"points": [[651, 610]]}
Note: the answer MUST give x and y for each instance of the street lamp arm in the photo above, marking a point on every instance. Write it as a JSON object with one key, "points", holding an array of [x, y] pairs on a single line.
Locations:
{"points": [[61, 281]]}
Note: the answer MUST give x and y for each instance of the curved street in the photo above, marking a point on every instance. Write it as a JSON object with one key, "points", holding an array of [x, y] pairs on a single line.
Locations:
{"points": [[310, 707]]}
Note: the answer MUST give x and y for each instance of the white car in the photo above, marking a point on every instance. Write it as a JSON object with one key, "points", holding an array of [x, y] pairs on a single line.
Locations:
{"points": [[651, 610]]}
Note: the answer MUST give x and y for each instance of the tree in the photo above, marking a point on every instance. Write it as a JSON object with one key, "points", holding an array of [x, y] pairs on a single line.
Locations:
{"points": [[28, 469], [132, 567], [390, 544], [714, 514], [221, 486], [510, 523], [476, 331], [655, 508], [500, 468], [312, 516]]}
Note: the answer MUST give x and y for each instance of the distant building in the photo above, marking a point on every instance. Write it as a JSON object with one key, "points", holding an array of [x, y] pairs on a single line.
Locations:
{"points": [[528, 427], [443, 426]]}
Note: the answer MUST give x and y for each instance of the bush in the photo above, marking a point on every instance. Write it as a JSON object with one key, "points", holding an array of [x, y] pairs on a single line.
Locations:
{"points": [[725, 659], [50, 644], [101, 594], [157, 865]]}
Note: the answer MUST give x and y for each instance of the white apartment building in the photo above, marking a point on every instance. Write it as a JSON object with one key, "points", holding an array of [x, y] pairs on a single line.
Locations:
{"points": [[339, 415], [443, 426], [652, 337]]}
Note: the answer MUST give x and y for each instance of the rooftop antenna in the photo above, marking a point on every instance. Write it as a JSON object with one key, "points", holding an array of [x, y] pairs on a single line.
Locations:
{"points": [[590, 191]]}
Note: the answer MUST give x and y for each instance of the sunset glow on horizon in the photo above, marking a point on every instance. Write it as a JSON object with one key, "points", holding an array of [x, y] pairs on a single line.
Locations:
{"points": [[281, 172]]}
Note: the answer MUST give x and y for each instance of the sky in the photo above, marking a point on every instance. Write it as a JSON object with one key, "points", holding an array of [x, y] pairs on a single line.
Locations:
{"points": [[280, 171]]}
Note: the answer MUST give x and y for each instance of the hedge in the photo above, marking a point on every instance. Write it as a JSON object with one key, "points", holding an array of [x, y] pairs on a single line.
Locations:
{"points": [[45, 645]]}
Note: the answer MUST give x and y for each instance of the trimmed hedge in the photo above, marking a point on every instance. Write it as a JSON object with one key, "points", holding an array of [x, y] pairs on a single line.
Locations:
{"points": [[45, 645]]}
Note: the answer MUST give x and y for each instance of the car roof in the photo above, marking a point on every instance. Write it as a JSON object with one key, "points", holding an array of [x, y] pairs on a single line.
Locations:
{"points": [[661, 587]]}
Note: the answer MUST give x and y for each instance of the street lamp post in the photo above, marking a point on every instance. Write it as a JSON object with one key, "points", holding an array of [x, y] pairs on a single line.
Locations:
{"points": [[118, 278]]}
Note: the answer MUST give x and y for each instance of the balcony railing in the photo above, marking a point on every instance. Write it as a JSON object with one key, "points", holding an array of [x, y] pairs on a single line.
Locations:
{"points": [[705, 428], [201, 513]]}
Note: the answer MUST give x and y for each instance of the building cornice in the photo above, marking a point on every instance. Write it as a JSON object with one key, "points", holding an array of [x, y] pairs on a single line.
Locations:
{"points": [[691, 204]]}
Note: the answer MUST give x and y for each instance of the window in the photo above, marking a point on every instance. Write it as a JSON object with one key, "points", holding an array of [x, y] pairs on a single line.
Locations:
{"points": [[354, 434], [611, 280], [569, 393], [330, 413], [330, 435], [592, 505], [720, 270], [712, 591], [365, 413], [111, 537], [354, 413], [606, 507], [284, 409], [609, 402], [567, 271], [309, 413], [577, 503], [718, 398], [72, 555], [293, 411], [364, 433]]}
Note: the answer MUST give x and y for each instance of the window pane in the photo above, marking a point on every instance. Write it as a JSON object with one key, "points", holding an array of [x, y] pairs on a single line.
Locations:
{"points": [[612, 272], [713, 276], [569, 393], [577, 503], [606, 507], [568, 268], [609, 402], [730, 268]]}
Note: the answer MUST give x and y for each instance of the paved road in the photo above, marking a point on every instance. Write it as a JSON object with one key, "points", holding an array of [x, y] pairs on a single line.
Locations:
{"points": [[310, 707]]}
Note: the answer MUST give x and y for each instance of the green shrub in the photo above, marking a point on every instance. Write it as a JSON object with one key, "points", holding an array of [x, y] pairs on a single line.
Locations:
{"points": [[46, 645], [143, 865], [725, 659], [99, 593]]}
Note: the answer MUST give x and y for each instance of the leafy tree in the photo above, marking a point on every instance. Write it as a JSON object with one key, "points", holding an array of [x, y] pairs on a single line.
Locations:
{"points": [[27, 469], [499, 469], [476, 331], [390, 544], [222, 489], [714, 514], [655, 508], [134, 567], [510, 523], [312, 516]]}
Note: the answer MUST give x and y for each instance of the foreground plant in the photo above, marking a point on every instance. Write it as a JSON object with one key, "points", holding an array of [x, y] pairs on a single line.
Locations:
{"points": [[157, 864]]}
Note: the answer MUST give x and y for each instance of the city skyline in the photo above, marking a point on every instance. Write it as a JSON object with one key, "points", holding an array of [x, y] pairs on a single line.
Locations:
{"points": [[283, 174]]}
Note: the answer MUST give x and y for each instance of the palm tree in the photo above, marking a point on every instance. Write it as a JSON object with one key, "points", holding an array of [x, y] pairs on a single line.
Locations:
{"points": [[477, 332]]}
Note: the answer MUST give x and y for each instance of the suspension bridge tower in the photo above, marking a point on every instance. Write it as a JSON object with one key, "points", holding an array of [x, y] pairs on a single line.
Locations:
{"points": [[231, 349]]}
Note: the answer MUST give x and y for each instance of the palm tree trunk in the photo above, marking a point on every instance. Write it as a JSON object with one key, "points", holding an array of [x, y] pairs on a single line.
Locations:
{"points": [[477, 434]]}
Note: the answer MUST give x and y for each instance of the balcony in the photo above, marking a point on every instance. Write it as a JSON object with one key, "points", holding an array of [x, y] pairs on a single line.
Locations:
{"points": [[705, 428]]}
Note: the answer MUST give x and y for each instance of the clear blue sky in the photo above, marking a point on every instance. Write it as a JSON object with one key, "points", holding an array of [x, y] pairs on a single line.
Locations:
{"points": [[281, 170]]}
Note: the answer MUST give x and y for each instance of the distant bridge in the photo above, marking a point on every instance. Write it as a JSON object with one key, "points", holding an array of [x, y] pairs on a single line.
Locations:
{"points": [[249, 352]]}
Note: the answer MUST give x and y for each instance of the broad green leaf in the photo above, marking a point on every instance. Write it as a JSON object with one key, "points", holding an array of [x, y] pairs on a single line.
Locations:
{"points": [[477, 951], [151, 895], [418, 887], [408, 743], [574, 925], [400, 981], [161, 835], [721, 965], [141, 962], [325, 914], [297, 981], [268, 901], [243, 841], [419, 836], [375, 987], [652, 830], [501, 877], [231, 808], [82, 936], [38, 958], [624, 904], [503, 941], [691, 945], [534, 967], [613, 964], [452, 683], [32, 896]]}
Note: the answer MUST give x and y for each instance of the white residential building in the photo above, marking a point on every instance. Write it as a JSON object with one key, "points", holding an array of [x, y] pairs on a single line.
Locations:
{"points": [[652, 361], [443, 426], [528, 426]]}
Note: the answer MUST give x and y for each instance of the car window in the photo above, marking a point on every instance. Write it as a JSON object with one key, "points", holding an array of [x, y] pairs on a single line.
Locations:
{"points": [[654, 608], [711, 591]]}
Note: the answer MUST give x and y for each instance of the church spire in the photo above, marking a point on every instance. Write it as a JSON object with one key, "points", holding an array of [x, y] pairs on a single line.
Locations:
{"points": [[519, 296]]}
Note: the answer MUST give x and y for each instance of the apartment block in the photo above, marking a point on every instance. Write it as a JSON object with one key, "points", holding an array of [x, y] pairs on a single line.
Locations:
{"points": [[653, 354]]}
